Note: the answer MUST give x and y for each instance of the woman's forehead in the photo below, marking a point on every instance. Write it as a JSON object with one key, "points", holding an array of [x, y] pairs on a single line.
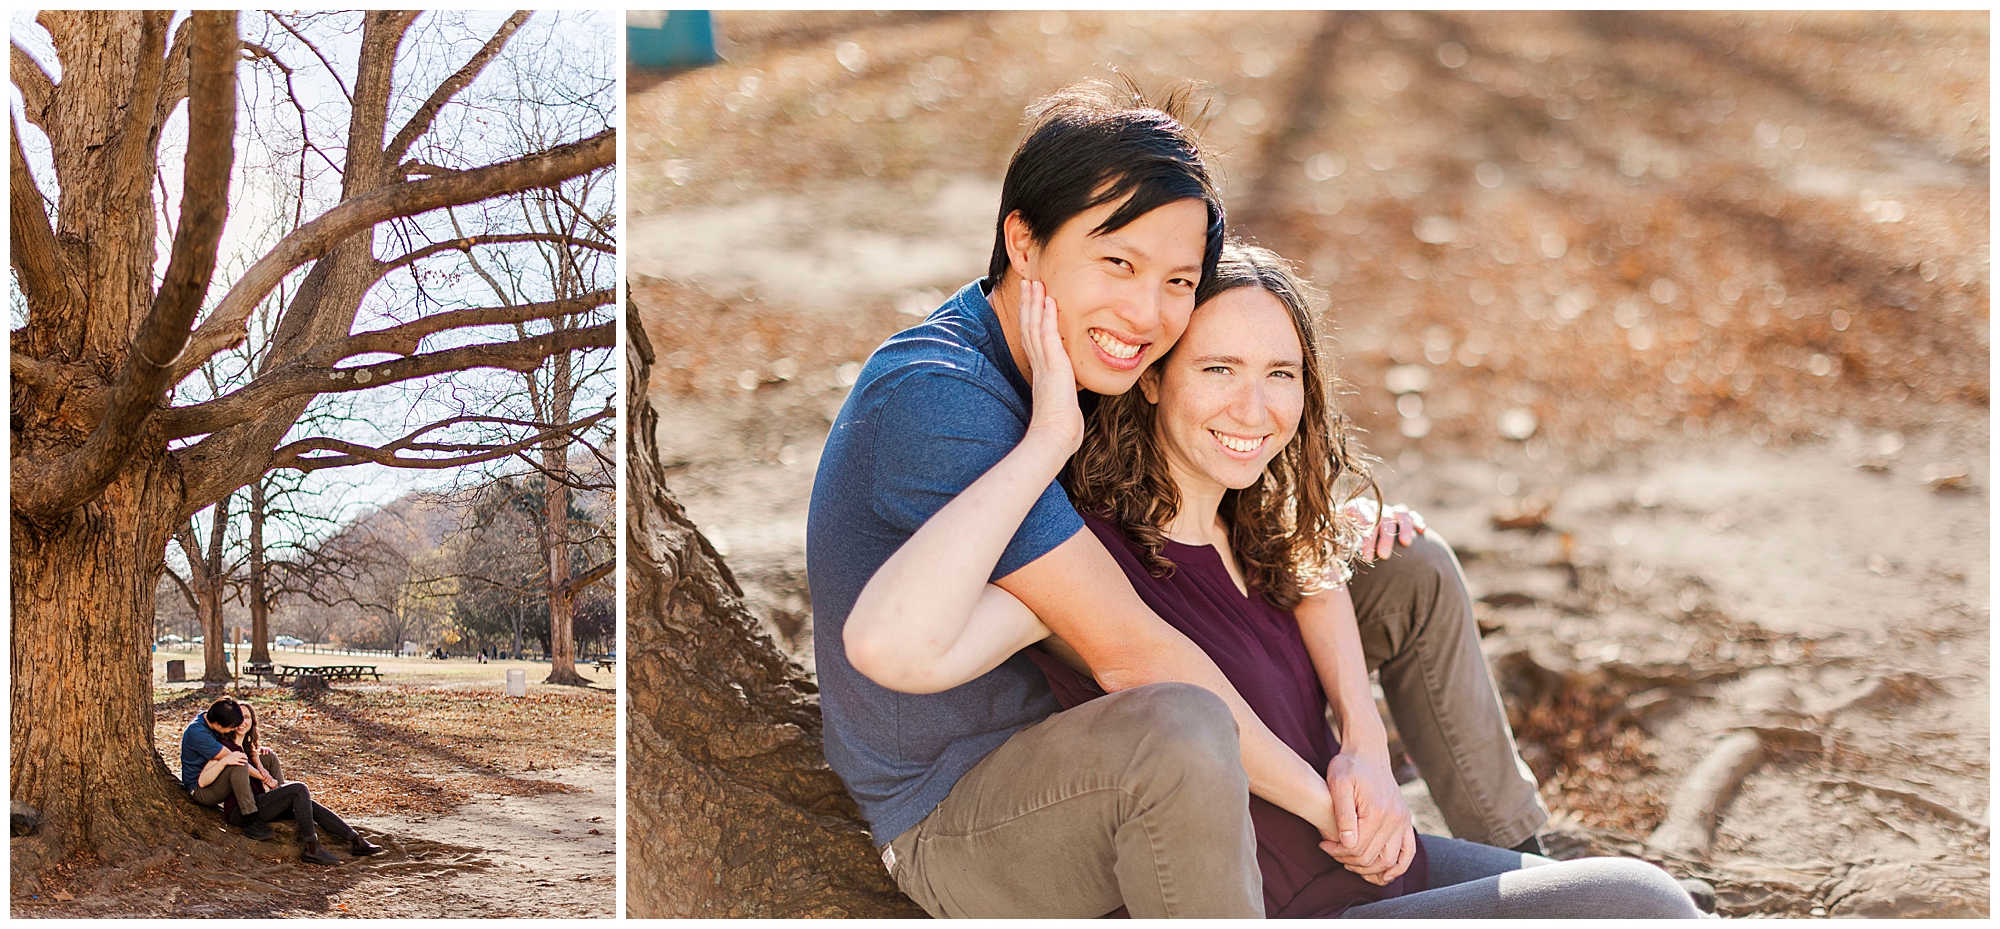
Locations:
{"points": [[1245, 322]]}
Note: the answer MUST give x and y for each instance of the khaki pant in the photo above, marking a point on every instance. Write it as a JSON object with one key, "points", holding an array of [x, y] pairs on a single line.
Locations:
{"points": [[1136, 798], [236, 779], [1416, 626]]}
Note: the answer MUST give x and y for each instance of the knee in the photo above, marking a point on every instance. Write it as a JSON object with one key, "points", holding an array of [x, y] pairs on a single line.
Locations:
{"points": [[1427, 562], [1646, 891], [1180, 728]]}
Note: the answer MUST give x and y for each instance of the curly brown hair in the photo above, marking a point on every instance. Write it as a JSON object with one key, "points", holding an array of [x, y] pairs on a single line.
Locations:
{"points": [[1286, 529]]}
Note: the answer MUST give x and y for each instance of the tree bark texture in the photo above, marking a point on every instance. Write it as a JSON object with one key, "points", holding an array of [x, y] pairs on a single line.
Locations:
{"points": [[562, 598], [259, 596], [555, 537], [729, 801], [82, 711]]}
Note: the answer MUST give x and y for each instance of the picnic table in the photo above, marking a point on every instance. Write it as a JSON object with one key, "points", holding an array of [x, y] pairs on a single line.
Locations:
{"points": [[607, 663], [289, 673]]}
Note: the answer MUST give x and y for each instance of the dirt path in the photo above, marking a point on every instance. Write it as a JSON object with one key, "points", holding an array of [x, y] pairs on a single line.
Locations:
{"points": [[546, 856]]}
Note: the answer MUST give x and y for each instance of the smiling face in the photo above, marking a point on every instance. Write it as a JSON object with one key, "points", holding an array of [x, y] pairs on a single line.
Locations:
{"points": [[1122, 297], [1231, 395]]}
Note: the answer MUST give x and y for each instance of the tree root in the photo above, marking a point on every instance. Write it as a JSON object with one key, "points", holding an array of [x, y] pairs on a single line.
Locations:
{"points": [[242, 882], [123, 873], [1689, 827]]}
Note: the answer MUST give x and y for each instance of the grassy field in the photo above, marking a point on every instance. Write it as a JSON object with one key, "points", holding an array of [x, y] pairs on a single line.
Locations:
{"points": [[453, 672]]}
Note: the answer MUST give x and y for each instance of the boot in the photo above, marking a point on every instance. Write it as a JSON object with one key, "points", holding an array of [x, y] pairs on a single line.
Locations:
{"points": [[360, 847], [316, 855], [1531, 845], [1702, 892], [256, 830]]}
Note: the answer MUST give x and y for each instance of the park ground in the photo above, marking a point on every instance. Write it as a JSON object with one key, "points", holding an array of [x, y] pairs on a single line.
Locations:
{"points": [[1675, 326], [490, 806]]}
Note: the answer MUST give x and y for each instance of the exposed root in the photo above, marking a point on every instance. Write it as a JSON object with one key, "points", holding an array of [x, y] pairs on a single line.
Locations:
{"points": [[1689, 827]]}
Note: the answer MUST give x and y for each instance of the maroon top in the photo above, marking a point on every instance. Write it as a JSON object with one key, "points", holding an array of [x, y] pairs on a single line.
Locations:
{"points": [[1258, 648]]}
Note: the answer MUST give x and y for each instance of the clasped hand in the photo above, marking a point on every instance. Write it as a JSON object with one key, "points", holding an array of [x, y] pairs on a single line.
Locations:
{"points": [[1373, 836]]}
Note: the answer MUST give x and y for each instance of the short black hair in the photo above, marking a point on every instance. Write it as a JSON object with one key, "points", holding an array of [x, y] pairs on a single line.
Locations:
{"points": [[1093, 143], [225, 713]]}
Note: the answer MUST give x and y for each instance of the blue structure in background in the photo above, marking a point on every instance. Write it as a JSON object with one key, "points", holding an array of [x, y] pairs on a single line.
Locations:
{"points": [[669, 38]]}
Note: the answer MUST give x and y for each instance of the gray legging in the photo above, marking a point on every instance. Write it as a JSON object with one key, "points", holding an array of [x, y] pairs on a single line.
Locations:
{"points": [[1480, 881]]}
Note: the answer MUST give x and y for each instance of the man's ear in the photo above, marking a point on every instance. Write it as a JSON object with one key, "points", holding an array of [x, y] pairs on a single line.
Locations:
{"points": [[1021, 248], [1149, 382]]}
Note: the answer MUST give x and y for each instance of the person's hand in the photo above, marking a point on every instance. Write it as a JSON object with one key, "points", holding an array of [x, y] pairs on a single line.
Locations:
{"points": [[229, 758], [1374, 835], [1056, 413], [270, 783], [1397, 524]]}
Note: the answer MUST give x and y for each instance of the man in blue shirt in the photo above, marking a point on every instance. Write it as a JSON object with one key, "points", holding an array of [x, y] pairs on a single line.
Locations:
{"points": [[985, 801], [202, 742]]}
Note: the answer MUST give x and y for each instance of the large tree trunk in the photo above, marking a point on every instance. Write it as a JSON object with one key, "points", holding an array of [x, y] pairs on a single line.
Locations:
{"points": [[206, 577], [726, 782], [82, 710], [214, 639], [260, 604], [94, 501], [562, 600]]}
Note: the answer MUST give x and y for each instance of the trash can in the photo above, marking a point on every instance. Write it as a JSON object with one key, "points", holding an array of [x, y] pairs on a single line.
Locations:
{"points": [[669, 38], [177, 670], [517, 682]]}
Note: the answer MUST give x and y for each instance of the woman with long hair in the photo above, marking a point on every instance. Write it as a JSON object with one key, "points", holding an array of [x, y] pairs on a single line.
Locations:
{"points": [[265, 769], [1217, 486]]}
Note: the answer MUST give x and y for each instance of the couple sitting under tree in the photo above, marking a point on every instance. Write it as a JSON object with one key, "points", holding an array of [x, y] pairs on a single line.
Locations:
{"points": [[1078, 642], [224, 762]]}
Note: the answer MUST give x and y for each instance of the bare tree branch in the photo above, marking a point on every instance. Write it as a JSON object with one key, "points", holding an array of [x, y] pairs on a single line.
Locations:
{"points": [[174, 83], [421, 120], [466, 243], [187, 592], [135, 145], [38, 89], [300, 378], [296, 455], [578, 583], [82, 391], [404, 339], [330, 69], [225, 327], [47, 485], [36, 257]]}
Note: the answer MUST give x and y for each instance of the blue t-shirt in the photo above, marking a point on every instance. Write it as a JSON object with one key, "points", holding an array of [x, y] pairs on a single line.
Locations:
{"points": [[934, 408], [199, 744]]}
